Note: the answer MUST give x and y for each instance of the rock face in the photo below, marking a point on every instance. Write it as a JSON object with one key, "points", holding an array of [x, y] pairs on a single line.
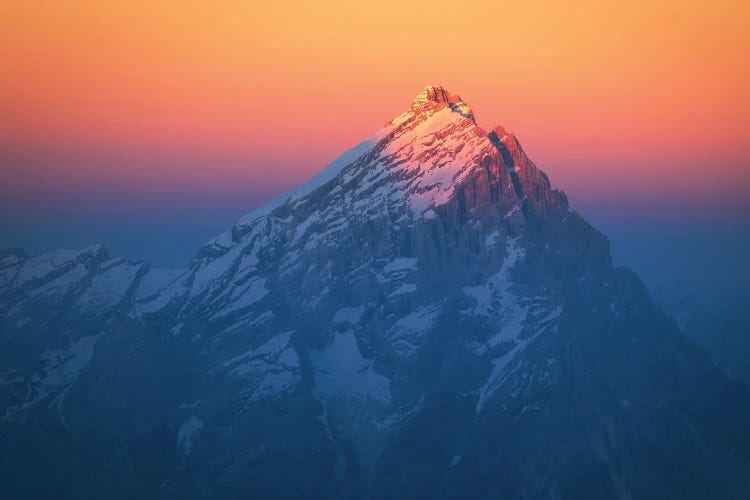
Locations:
{"points": [[427, 318]]}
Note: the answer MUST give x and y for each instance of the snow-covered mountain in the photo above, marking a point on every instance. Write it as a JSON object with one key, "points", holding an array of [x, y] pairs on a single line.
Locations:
{"points": [[427, 317]]}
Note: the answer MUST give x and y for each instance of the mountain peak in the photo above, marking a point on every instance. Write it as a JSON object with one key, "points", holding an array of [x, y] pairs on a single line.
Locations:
{"points": [[343, 317], [435, 93], [436, 97]]}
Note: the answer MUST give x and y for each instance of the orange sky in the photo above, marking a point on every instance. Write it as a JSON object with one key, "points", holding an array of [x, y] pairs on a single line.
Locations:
{"points": [[636, 95]]}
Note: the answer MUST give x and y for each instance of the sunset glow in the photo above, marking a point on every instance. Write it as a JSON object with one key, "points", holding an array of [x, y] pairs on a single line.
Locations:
{"points": [[641, 97]]}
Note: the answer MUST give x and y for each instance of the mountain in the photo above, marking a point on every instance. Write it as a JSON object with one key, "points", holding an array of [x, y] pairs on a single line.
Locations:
{"points": [[720, 323], [426, 318]]}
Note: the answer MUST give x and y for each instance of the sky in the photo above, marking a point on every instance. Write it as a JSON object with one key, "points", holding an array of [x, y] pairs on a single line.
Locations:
{"points": [[151, 126]]}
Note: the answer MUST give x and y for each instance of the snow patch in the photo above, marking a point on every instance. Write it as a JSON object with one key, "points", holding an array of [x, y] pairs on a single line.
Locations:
{"points": [[63, 283], [341, 370], [349, 314], [404, 288], [496, 292], [187, 432], [499, 373], [244, 297], [407, 334], [63, 367], [270, 369], [400, 264], [41, 266], [108, 288], [491, 239], [158, 288]]}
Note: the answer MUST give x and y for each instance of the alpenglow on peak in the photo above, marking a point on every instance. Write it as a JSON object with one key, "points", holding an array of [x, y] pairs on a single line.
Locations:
{"points": [[435, 93], [432, 94]]}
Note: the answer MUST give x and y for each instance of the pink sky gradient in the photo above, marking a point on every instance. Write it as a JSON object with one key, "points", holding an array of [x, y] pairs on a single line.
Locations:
{"points": [[642, 100]]}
